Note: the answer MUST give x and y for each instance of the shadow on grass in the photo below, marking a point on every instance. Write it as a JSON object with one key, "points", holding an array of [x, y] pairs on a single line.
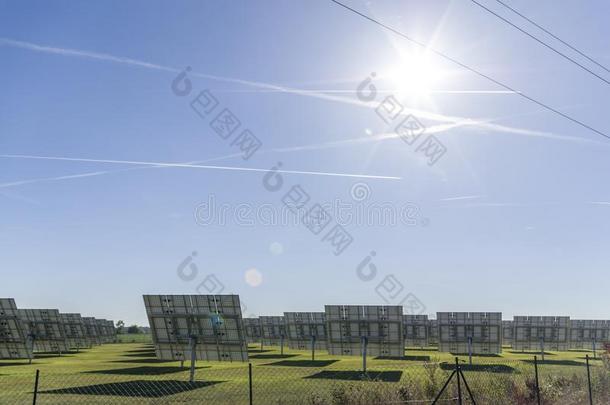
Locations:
{"points": [[408, 358], [144, 361], [145, 354], [258, 351], [14, 363], [385, 376], [272, 356], [530, 352], [144, 370], [557, 362], [302, 363], [151, 350], [421, 349], [489, 368], [138, 388]]}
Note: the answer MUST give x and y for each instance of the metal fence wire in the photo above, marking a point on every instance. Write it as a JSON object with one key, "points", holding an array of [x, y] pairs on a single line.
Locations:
{"points": [[322, 382]]}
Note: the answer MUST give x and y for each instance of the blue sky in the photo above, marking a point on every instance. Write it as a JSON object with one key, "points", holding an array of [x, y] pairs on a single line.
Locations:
{"points": [[514, 217]]}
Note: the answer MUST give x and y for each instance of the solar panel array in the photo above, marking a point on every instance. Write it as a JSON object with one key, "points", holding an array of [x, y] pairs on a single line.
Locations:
{"points": [[45, 329], [530, 332], [252, 327], [94, 335], [588, 334], [212, 324], [106, 330], [433, 332], [347, 325], [75, 332], [508, 329], [273, 329], [13, 332], [415, 330], [303, 327], [460, 332]]}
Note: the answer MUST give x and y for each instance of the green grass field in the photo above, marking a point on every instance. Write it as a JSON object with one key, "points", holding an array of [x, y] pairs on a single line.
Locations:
{"points": [[134, 338], [106, 374]]}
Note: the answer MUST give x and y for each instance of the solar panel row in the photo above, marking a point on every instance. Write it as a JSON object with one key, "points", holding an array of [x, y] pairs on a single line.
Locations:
{"points": [[26, 331]]}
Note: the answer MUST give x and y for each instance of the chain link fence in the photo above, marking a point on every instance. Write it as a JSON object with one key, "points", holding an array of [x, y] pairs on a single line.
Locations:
{"points": [[323, 382]]}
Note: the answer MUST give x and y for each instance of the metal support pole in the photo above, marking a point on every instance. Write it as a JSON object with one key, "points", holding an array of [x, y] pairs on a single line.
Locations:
{"points": [[443, 389], [461, 374], [262, 345], [594, 351], [459, 384], [542, 348], [250, 382], [193, 358], [470, 350], [589, 381], [36, 386], [364, 342], [281, 345], [313, 348], [537, 383]]}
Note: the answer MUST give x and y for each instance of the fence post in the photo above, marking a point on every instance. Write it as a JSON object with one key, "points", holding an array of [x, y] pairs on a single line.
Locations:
{"points": [[459, 385], [589, 381], [250, 382], [537, 384], [36, 386]]}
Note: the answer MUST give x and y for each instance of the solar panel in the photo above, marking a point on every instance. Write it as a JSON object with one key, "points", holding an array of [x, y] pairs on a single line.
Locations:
{"points": [[534, 332], [92, 330], [273, 330], [75, 332], [508, 329], [212, 323], [106, 330], [433, 332], [416, 330], [351, 326], [45, 329], [470, 332], [589, 334], [303, 328], [13, 332], [252, 328]]}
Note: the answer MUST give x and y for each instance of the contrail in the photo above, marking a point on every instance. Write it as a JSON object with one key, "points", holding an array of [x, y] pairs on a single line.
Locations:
{"points": [[260, 85], [208, 167], [464, 197]]}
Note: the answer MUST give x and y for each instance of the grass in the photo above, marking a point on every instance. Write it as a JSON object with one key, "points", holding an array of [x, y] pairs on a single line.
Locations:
{"points": [[134, 338], [124, 372]]}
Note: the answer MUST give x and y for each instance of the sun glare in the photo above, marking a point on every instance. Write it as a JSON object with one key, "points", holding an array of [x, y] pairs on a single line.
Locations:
{"points": [[416, 75]]}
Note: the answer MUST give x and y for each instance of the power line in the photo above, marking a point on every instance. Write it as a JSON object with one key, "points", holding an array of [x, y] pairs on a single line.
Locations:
{"points": [[558, 52], [473, 70], [554, 36]]}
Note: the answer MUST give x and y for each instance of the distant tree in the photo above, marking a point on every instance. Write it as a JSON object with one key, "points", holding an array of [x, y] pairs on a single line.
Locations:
{"points": [[133, 329], [120, 325]]}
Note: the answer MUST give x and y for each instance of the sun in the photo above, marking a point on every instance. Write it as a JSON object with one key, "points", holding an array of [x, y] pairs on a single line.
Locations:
{"points": [[416, 74]]}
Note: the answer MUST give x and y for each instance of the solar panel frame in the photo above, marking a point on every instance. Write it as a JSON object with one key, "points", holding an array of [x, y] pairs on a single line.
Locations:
{"points": [[482, 329], [508, 330], [432, 332], [554, 331], [381, 325], [215, 321], [45, 329], [75, 331], [416, 330], [273, 329], [93, 332], [589, 334], [14, 342], [302, 326], [252, 328]]}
